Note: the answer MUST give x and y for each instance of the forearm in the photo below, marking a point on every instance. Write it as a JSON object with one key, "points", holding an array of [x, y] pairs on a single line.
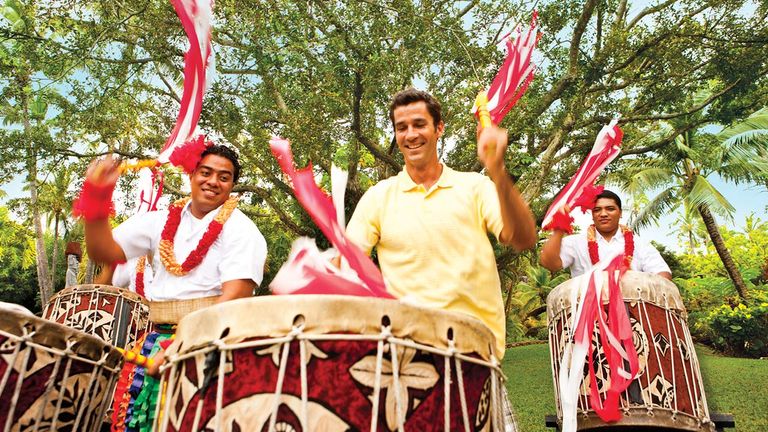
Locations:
{"points": [[234, 289], [519, 226], [100, 244], [550, 253]]}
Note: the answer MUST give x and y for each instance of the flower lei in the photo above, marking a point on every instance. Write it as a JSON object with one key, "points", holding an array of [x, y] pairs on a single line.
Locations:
{"points": [[141, 264], [629, 244], [195, 257]]}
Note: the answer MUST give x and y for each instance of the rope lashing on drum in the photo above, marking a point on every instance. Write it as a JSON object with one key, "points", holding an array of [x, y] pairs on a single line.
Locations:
{"points": [[293, 335]]}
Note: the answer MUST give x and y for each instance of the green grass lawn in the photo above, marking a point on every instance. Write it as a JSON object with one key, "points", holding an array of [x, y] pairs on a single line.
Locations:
{"points": [[732, 385]]}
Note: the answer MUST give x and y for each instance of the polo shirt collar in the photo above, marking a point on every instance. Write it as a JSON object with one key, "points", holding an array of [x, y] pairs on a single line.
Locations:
{"points": [[447, 179]]}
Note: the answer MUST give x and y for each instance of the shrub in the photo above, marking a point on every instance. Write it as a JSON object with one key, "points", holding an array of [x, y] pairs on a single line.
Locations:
{"points": [[741, 330]]}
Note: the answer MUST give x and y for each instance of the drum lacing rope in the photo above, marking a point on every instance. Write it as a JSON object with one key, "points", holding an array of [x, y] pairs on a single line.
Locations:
{"points": [[90, 391], [386, 333], [291, 336], [460, 378]]}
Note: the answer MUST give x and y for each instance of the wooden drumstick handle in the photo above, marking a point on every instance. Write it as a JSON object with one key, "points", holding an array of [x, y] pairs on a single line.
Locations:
{"points": [[481, 102], [135, 166]]}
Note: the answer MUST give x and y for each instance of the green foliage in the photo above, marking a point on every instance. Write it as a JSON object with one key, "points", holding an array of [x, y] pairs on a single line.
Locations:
{"points": [[18, 280], [526, 317], [741, 330]]}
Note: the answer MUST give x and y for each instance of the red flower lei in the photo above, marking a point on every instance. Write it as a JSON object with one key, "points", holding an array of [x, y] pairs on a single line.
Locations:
{"points": [[629, 244], [195, 257], [141, 264]]}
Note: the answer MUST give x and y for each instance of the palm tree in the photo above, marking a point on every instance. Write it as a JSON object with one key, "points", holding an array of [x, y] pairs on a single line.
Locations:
{"points": [[529, 300], [56, 203], [690, 229], [680, 173]]}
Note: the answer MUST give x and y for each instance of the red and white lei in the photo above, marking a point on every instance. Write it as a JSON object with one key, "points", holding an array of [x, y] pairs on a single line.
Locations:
{"points": [[195, 257]]}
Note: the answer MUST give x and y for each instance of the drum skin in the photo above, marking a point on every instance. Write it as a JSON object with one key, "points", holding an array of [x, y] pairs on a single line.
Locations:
{"points": [[115, 315], [246, 340], [53, 377], [668, 393]]}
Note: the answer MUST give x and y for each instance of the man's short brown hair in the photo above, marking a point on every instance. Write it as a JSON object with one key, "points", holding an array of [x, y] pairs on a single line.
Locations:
{"points": [[412, 95]]}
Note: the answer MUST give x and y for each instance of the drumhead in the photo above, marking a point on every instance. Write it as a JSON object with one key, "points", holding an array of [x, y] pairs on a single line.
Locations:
{"points": [[101, 289], [53, 335], [635, 285], [274, 316]]}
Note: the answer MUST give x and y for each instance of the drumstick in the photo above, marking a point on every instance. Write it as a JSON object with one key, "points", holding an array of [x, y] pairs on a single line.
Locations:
{"points": [[481, 102], [136, 166]]}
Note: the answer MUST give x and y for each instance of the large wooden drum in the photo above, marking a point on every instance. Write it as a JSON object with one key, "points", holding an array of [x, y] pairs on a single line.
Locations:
{"points": [[330, 363], [115, 315], [52, 378], [668, 393]]}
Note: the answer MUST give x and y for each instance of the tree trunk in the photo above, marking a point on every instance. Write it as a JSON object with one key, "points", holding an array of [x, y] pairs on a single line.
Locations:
{"points": [[722, 251], [43, 279], [55, 252], [90, 269]]}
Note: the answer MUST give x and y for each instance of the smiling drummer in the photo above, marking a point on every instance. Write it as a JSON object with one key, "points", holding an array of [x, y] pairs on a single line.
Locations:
{"points": [[430, 224], [580, 252], [204, 249]]}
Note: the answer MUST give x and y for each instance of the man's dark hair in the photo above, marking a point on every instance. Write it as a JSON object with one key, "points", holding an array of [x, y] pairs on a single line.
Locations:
{"points": [[610, 195], [411, 95], [225, 152]]}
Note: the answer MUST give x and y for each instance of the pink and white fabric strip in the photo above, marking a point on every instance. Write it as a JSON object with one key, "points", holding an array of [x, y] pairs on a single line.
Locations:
{"points": [[195, 16], [588, 309], [316, 276], [515, 74], [606, 148]]}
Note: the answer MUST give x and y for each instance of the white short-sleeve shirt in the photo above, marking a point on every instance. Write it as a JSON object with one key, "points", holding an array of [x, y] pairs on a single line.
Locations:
{"points": [[574, 253], [238, 253], [124, 275]]}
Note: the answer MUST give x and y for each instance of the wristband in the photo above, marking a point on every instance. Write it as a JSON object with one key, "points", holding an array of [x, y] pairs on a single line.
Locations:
{"points": [[94, 202]]}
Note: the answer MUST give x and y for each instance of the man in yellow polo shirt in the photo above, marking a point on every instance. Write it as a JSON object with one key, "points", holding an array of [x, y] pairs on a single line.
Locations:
{"points": [[430, 224]]}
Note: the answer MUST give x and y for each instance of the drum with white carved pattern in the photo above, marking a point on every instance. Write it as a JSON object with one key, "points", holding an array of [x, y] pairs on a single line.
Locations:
{"points": [[330, 363], [53, 378], [668, 393], [115, 315]]}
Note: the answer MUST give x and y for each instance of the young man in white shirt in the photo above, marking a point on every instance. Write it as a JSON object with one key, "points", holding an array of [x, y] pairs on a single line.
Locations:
{"points": [[230, 267], [581, 251]]}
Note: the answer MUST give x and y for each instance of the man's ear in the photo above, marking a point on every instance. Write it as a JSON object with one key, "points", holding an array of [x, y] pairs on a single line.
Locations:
{"points": [[440, 128]]}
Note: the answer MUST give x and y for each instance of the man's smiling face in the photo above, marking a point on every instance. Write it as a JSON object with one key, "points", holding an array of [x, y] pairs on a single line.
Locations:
{"points": [[416, 134]]}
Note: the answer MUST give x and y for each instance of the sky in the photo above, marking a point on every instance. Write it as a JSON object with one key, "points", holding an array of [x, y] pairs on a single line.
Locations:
{"points": [[747, 199]]}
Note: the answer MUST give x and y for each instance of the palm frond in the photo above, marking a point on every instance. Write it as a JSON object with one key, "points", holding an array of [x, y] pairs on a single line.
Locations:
{"points": [[648, 179], [703, 193], [663, 203]]}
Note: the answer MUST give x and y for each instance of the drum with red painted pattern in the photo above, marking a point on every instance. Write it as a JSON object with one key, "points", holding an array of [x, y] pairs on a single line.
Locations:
{"points": [[330, 363]]}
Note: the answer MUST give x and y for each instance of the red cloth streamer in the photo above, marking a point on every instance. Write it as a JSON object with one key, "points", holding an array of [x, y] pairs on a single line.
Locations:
{"points": [[94, 202], [606, 149], [615, 338], [150, 189], [195, 16], [320, 208], [515, 74]]}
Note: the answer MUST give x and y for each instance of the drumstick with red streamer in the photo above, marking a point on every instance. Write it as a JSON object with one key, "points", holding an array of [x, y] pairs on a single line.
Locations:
{"points": [[513, 78]]}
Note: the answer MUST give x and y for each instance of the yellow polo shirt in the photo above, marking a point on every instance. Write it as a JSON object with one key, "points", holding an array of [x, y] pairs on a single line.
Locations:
{"points": [[433, 244]]}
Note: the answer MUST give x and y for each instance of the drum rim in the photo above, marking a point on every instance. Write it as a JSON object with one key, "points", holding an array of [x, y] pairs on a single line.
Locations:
{"points": [[638, 416], [53, 335], [117, 291], [559, 298], [273, 316]]}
